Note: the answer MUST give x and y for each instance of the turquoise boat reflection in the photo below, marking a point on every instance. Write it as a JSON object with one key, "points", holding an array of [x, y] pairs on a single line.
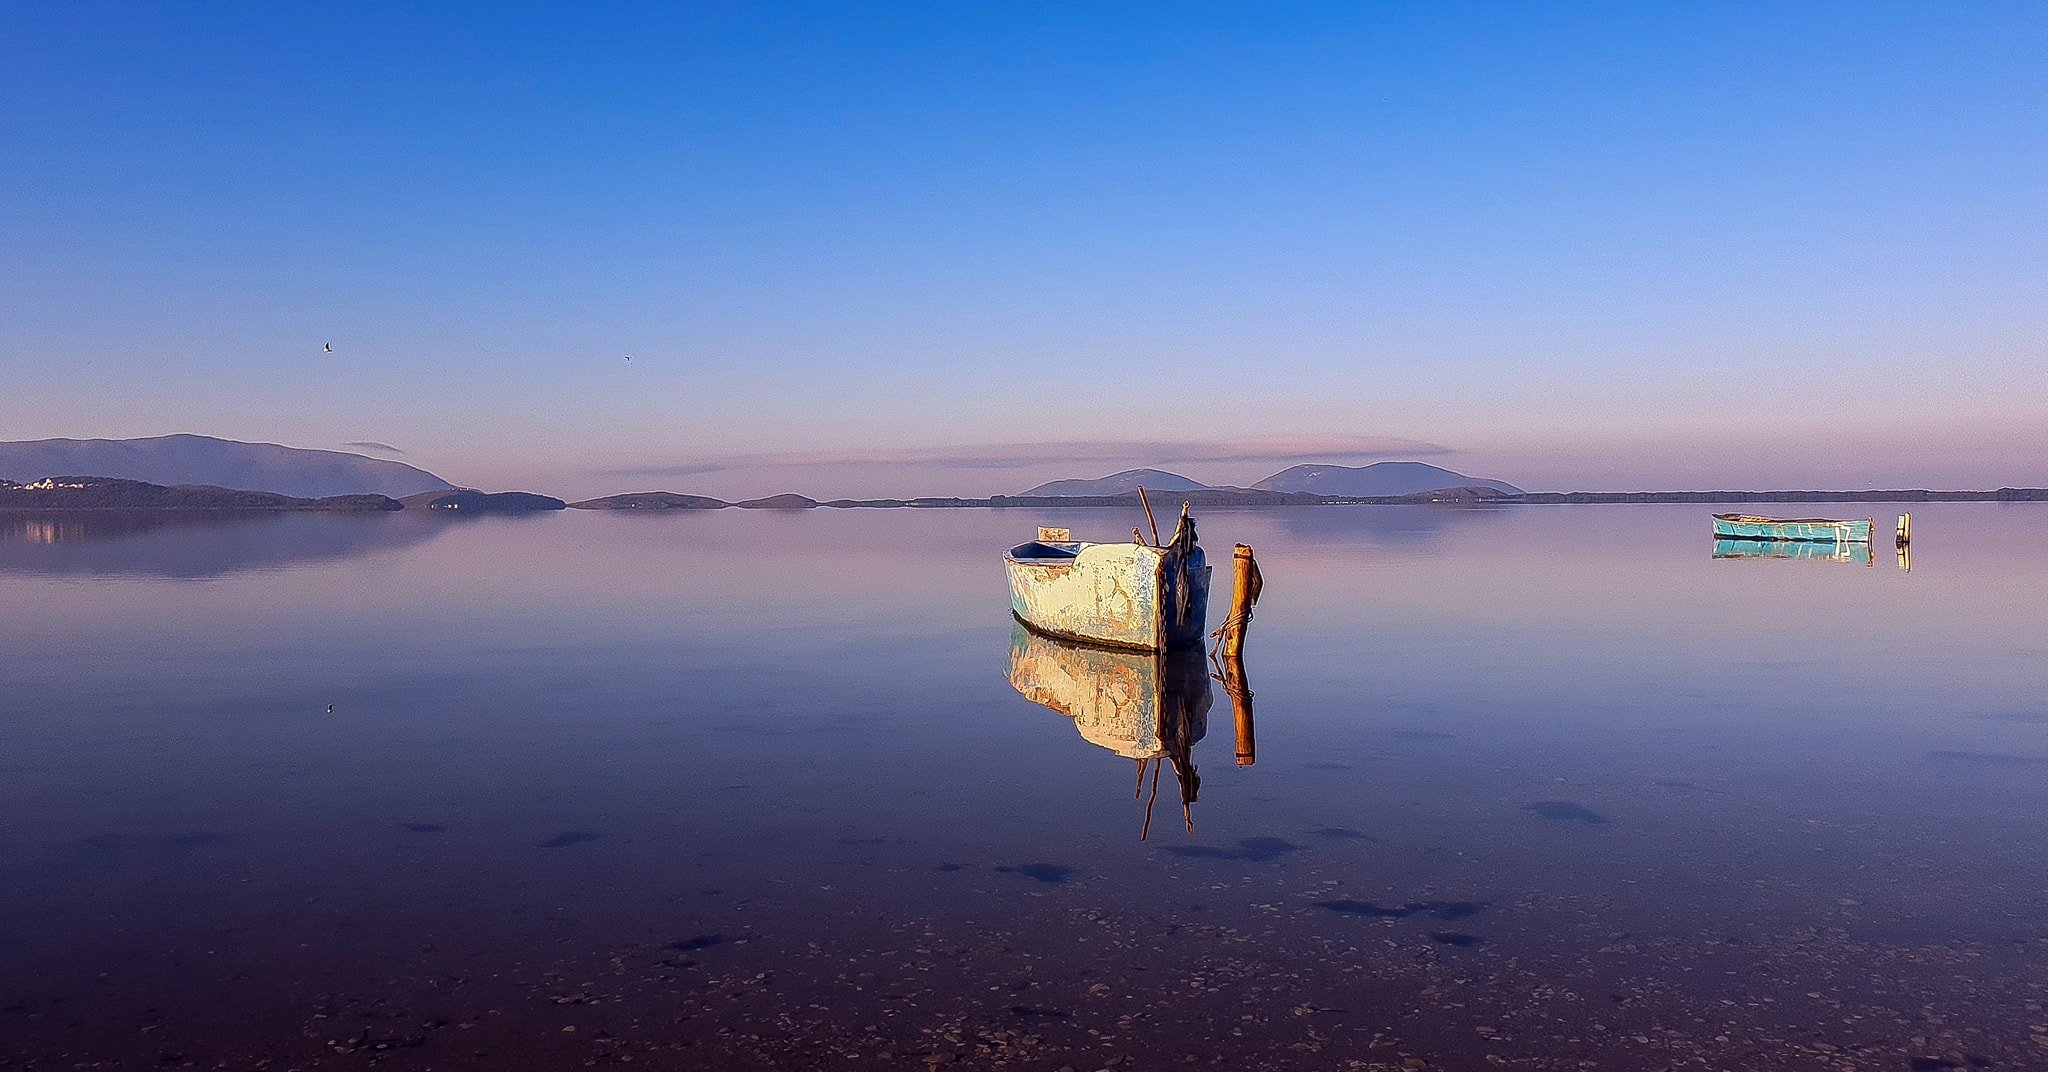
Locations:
{"points": [[1855, 553]]}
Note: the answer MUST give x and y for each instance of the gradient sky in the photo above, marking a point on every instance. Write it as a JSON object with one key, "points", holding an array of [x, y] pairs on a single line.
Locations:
{"points": [[965, 248]]}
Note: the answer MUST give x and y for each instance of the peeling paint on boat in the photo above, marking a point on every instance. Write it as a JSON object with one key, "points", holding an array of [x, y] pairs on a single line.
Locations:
{"points": [[1123, 594], [1752, 527]]}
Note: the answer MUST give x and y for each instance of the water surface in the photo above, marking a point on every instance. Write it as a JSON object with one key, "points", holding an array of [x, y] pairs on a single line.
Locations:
{"points": [[1543, 787]]}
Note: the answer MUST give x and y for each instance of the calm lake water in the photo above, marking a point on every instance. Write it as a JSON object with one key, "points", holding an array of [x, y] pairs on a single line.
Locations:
{"points": [[1535, 788]]}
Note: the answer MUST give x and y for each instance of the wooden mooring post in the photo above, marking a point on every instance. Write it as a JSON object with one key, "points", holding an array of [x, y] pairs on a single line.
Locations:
{"points": [[1245, 585], [1244, 592]]}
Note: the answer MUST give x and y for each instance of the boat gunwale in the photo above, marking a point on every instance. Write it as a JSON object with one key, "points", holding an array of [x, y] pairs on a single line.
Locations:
{"points": [[1068, 560], [1085, 641], [1758, 519]]}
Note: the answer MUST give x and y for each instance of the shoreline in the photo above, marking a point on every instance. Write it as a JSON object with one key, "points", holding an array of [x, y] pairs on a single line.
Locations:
{"points": [[1209, 501]]}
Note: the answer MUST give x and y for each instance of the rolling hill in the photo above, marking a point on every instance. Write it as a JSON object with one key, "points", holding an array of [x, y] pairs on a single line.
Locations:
{"points": [[651, 500], [1379, 478], [177, 460], [108, 493], [1117, 484]]}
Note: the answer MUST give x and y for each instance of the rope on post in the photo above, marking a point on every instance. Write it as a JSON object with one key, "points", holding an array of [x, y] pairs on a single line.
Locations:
{"points": [[1245, 589]]}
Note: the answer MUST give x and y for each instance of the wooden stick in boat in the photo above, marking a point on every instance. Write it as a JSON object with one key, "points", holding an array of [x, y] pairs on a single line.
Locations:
{"points": [[1147, 504]]}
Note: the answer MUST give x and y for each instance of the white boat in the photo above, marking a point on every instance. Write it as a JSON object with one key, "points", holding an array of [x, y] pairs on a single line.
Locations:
{"points": [[1125, 595]]}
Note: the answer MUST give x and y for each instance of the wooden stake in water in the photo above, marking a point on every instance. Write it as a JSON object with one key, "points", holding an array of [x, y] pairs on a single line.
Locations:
{"points": [[1244, 592]]}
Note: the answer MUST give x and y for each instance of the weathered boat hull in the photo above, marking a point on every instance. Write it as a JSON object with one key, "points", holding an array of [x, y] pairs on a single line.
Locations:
{"points": [[1126, 595], [1819, 550], [1822, 530], [1134, 703]]}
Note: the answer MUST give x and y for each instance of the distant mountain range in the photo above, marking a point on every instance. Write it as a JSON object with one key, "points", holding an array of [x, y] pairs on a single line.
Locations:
{"points": [[651, 501], [1118, 483], [176, 460], [655, 501], [107, 493], [1377, 479]]}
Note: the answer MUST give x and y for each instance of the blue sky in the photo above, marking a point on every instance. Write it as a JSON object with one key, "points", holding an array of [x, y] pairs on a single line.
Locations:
{"points": [[960, 249]]}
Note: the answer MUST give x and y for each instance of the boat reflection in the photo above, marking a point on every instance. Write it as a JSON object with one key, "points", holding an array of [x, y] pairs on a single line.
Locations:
{"points": [[1144, 706], [1822, 550]]}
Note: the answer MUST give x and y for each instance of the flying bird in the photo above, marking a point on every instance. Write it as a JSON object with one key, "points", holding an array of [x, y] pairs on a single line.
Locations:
{"points": [[327, 348]]}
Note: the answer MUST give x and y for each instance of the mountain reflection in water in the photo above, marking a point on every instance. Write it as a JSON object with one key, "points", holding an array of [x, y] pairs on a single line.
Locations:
{"points": [[1143, 706], [197, 544]]}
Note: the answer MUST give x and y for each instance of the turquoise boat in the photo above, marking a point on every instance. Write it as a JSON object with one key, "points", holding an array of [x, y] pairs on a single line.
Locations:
{"points": [[1817, 550], [1815, 529]]}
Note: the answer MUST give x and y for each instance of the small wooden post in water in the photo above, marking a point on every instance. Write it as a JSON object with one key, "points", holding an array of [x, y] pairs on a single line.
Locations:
{"points": [[1246, 583], [1244, 592]]}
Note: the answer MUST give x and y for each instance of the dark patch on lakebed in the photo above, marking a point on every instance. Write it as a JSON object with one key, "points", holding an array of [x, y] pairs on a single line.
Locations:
{"points": [[570, 837], [1443, 910], [1254, 849], [1051, 874], [702, 941], [1565, 811], [1459, 939], [1341, 833]]}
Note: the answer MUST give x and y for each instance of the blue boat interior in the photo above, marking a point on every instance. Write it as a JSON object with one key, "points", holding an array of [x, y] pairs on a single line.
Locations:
{"points": [[1045, 552]]}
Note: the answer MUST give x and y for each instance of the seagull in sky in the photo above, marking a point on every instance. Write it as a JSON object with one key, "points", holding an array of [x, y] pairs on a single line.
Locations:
{"points": [[327, 348]]}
